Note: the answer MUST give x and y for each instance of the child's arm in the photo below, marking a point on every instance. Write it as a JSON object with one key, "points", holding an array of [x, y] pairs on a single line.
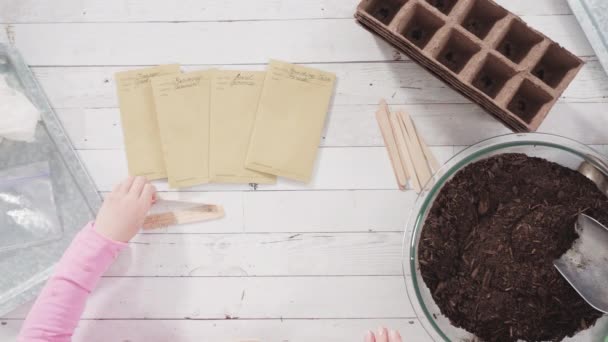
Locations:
{"points": [[57, 310]]}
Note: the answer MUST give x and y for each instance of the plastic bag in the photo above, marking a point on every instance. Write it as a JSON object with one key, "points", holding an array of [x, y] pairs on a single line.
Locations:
{"points": [[28, 214], [18, 116]]}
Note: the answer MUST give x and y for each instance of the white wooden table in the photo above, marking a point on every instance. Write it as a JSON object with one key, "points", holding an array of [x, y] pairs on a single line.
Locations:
{"points": [[290, 262]]}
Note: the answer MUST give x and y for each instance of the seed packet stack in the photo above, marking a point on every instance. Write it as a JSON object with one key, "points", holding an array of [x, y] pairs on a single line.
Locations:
{"points": [[223, 126]]}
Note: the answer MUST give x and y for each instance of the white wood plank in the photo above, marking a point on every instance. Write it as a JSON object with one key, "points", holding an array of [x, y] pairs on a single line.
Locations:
{"points": [[563, 29], [467, 125], [458, 149], [282, 211], [300, 211], [344, 168], [358, 83], [313, 211], [325, 330], [589, 83], [340, 168], [542, 7], [27, 11], [354, 125], [299, 41], [231, 42], [183, 10], [254, 255], [460, 124], [246, 298]]}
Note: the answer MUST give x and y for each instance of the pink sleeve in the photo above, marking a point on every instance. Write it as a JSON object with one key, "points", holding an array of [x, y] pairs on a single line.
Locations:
{"points": [[56, 312]]}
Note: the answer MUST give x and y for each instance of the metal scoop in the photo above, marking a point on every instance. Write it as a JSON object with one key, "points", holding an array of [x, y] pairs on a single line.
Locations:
{"points": [[585, 265]]}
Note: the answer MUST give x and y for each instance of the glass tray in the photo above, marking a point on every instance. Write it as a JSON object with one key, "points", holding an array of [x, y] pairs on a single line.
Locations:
{"points": [[593, 17], [25, 270], [560, 150]]}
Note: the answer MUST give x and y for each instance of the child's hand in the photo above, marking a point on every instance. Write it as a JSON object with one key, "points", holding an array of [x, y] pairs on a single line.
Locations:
{"points": [[383, 335], [125, 208]]}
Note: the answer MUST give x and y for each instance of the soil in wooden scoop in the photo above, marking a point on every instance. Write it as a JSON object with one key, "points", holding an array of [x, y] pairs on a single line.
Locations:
{"points": [[488, 245]]}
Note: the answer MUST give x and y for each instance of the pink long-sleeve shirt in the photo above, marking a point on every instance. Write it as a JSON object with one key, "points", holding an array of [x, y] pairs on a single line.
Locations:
{"points": [[56, 312]]}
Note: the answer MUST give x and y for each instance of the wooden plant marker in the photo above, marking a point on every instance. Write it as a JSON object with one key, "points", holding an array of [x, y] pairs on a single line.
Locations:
{"points": [[382, 116], [418, 158], [409, 164], [430, 157], [184, 212], [401, 137]]}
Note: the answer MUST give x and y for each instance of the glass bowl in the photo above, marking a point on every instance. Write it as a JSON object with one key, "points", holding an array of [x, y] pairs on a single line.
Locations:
{"points": [[563, 151]]}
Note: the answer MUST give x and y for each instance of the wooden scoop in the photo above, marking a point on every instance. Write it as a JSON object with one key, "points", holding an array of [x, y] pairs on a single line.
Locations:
{"points": [[166, 213]]}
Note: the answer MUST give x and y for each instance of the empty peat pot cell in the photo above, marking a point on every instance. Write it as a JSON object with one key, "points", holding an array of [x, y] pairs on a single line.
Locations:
{"points": [[482, 16], [528, 101], [384, 10], [492, 76], [445, 6], [457, 51], [555, 65], [421, 26], [518, 41]]}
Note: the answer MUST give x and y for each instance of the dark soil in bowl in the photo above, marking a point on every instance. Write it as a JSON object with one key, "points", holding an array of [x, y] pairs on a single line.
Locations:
{"points": [[488, 245]]}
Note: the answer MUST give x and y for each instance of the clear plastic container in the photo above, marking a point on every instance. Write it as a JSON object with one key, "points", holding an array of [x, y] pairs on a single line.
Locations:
{"points": [[28, 214], [563, 151], [24, 270]]}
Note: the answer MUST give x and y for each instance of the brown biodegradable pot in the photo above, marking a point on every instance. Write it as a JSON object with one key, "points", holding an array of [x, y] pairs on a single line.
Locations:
{"points": [[480, 49]]}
